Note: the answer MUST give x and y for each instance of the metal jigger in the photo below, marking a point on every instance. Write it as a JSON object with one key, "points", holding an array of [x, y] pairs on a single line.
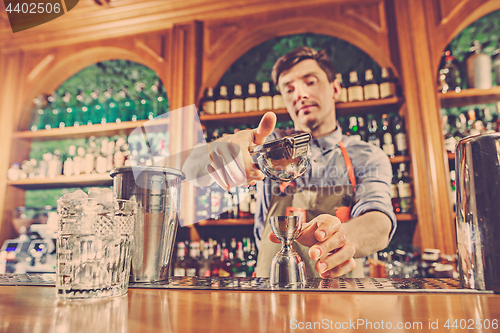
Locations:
{"points": [[287, 267]]}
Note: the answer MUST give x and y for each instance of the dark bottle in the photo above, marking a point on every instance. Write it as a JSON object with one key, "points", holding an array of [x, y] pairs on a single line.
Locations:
{"points": [[370, 87], [225, 268], [265, 98], [192, 265], [354, 90], [222, 104], [450, 76], [343, 90], [251, 259], [404, 190], [400, 135], [362, 130], [396, 205], [353, 128], [373, 133], [251, 100], [388, 84], [388, 142], [215, 261], [239, 264], [207, 103], [237, 102]]}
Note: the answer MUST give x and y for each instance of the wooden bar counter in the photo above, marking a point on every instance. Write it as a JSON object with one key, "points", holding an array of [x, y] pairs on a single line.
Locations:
{"points": [[36, 309]]}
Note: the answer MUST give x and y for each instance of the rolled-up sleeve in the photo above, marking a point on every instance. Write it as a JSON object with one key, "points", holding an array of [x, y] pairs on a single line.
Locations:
{"points": [[374, 176]]}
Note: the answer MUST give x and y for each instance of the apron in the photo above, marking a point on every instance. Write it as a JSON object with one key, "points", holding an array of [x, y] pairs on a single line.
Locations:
{"points": [[313, 201]]}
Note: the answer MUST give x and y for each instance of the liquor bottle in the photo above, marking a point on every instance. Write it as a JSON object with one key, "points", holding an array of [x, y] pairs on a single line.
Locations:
{"points": [[237, 102], [101, 161], [388, 145], [215, 261], [343, 90], [362, 131], [79, 161], [110, 108], [205, 261], [404, 190], [207, 103], [126, 108], [157, 101], [278, 102], [69, 165], [80, 109], [354, 90], [232, 248], [222, 104], [450, 73], [225, 269], [54, 165], [180, 262], [495, 63], [119, 155], [400, 136], [47, 112], [353, 128], [67, 110], [239, 263], [192, 265], [89, 161], [143, 104], [251, 101], [57, 112], [370, 88], [95, 108], [373, 133], [396, 205], [251, 259], [387, 84], [265, 99], [478, 67]]}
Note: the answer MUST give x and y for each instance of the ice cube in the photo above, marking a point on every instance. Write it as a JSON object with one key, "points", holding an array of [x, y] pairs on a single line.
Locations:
{"points": [[78, 194], [104, 196]]}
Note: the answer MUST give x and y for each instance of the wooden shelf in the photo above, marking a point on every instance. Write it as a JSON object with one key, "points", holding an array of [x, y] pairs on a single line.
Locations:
{"points": [[63, 181], [343, 109], [246, 221], [470, 96], [110, 129], [405, 217], [399, 159]]}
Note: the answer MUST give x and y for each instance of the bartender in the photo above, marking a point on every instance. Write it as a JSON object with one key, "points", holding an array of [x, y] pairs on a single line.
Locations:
{"points": [[345, 194]]}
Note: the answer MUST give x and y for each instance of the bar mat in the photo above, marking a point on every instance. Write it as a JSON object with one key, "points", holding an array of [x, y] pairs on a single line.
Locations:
{"points": [[262, 284]]}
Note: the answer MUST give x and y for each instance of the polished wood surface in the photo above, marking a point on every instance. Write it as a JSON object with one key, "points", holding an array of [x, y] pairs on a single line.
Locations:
{"points": [[36, 309]]}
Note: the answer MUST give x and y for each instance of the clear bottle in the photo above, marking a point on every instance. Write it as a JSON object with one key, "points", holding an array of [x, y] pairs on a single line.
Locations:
{"points": [[69, 164], [251, 101], [387, 84], [479, 72], [207, 103], [354, 90], [370, 87], [222, 104], [237, 102], [373, 133], [343, 90], [404, 190], [278, 102], [388, 146], [265, 99], [89, 161], [180, 262]]}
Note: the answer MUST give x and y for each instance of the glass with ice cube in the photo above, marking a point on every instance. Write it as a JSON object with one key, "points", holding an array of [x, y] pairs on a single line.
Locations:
{"points": [[93, 244]]}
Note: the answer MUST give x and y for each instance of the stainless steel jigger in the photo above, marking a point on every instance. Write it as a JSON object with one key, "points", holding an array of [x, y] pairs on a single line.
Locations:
{"points": [[287, 267], [284, 159]]}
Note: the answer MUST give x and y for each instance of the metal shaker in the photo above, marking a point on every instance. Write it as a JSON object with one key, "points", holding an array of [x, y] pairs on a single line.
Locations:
{"points": [[157, 192], [477, 163]]}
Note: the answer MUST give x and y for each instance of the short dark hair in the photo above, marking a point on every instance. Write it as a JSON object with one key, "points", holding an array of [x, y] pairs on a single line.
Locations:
{"points": [[292, 58]]}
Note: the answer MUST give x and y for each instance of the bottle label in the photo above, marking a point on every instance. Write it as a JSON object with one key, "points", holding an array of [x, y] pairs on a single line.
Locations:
{"points": [[222, 106], [401, 141], [343, 95], [387, 89], [394, 191], [237, 105], [251, 104], [371, 91], [404, 190], [191, 272], [265, 103], [209, 107], [278, 102], [355, 93], [179, 271], [389, 149]]}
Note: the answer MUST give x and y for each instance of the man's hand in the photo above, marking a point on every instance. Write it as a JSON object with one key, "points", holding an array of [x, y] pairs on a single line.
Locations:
{"points": [[230, 163], [328, 244]]}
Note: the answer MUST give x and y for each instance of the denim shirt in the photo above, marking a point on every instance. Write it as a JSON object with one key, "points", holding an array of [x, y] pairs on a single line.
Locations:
{"points": [[372, 169]]}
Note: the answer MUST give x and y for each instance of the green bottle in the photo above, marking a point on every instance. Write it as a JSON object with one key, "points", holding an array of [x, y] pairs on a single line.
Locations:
{"points": [[111, 107], [37, 114], [96, 110], [142, 103], [67, 110]]}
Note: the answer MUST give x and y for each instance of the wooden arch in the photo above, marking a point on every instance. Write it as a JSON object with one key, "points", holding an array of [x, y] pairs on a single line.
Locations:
{"points": [[251, 38], [68, 66]]}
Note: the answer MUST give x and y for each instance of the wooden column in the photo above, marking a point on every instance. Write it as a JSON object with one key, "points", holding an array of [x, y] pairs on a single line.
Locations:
{"points": [[435, 227]]}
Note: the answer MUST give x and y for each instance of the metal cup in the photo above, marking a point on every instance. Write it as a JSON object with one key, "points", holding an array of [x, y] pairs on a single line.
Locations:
{"points": [[157, 193], [287, 267], [477, 163]]}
